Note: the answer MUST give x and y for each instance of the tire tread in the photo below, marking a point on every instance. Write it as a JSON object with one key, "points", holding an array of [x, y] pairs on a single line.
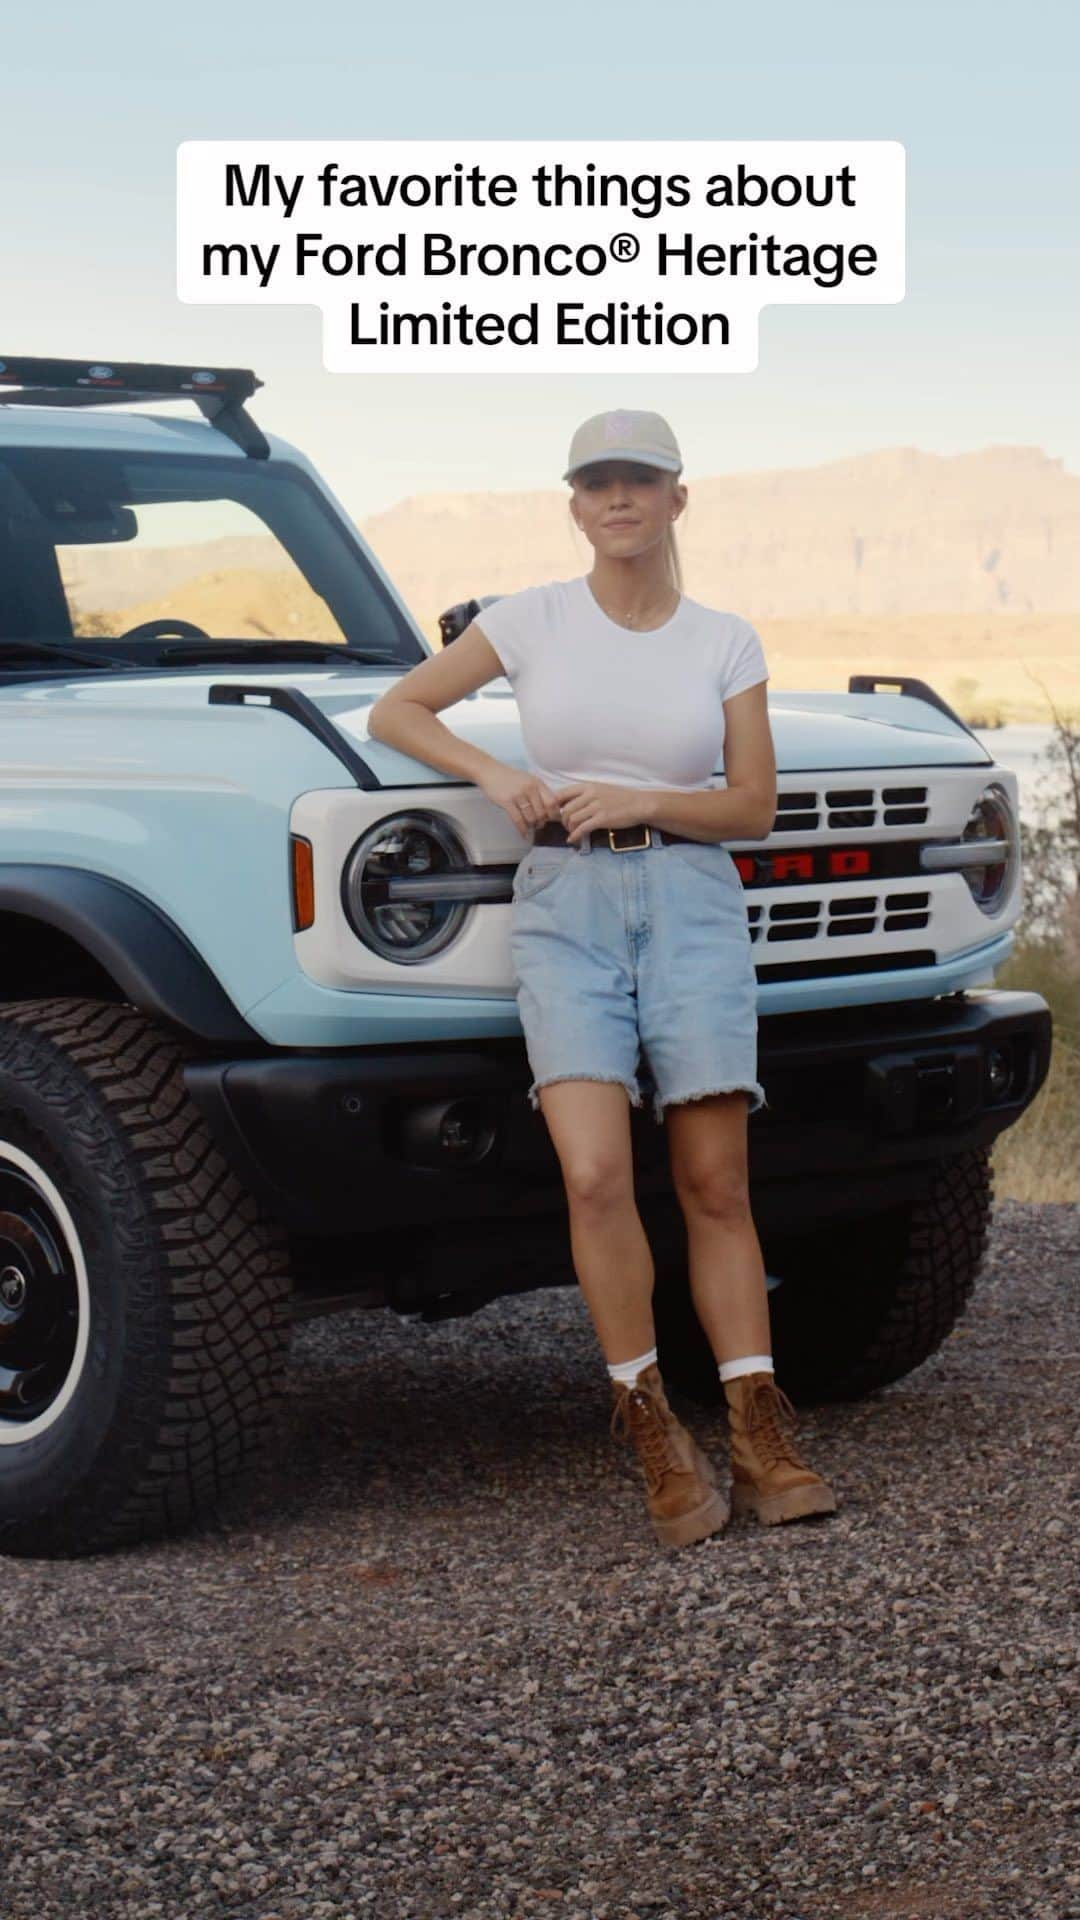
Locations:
{"points": [[199, 1405]]}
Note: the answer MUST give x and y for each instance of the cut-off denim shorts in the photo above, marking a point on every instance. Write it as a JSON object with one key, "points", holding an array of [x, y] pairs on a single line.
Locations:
{"points": [[647, 950]]}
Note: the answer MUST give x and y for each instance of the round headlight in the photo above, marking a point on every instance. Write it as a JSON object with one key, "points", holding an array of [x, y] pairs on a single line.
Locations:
{"points": [[992, 818], [384, 909]]}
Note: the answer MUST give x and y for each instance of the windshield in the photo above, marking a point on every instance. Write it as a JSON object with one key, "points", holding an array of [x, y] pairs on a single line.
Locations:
{"points": [[94, 544]]}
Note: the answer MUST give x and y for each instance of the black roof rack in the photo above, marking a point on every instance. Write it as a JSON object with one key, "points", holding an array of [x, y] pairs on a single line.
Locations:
{"points": [[219, 394]]}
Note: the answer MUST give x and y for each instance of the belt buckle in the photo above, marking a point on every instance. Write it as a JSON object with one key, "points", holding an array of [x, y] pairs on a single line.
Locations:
{"points": [[634, 846]]}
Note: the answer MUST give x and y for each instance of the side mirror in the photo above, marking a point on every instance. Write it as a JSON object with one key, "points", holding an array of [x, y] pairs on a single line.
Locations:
{"points": [[455, 619]]}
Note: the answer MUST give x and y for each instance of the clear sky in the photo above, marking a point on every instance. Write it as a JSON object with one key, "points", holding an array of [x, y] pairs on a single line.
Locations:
{"points": [[981, 351]]}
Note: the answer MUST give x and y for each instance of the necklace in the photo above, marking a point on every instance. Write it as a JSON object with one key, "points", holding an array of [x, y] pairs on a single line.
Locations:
{"points": [[639, 620]]}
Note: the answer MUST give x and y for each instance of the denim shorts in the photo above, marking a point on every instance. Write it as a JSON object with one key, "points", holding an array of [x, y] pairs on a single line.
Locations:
{"points": [[645, 950]]}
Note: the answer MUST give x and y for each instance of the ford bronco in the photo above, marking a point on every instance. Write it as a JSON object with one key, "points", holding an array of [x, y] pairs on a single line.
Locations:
{"points": [[259, 1048]]}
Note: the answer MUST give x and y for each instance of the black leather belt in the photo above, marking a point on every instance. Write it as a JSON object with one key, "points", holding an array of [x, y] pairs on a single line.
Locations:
{"points": [[552, 833]]}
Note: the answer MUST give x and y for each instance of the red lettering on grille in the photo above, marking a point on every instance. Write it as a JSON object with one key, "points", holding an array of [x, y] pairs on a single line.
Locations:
{"points": [[793, 866], [846, 860], [837, 863]]}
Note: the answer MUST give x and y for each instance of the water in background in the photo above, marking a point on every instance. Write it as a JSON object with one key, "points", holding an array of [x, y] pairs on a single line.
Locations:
{"points": [[1019, 748]]}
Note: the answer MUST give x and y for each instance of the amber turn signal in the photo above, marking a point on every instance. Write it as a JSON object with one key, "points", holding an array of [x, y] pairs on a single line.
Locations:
{"points": [[303, 883]]}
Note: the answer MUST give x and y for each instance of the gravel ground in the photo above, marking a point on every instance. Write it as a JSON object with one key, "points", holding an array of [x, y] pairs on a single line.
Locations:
{"points": [[433, 1663]]}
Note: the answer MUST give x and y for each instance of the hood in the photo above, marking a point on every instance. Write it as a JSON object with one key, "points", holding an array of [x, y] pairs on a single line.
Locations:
{"points": [[812, 731]]}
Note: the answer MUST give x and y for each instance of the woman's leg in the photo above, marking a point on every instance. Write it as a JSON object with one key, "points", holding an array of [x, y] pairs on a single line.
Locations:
{"points": [[589, 1124], [727, 1280], [707, 1148]]}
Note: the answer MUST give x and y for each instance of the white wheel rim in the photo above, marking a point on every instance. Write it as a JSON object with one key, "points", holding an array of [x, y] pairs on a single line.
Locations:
{"points": [[18, 1432]]}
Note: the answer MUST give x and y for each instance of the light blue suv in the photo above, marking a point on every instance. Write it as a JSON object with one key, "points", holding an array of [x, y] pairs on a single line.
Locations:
{"points": [[259, 1047]]}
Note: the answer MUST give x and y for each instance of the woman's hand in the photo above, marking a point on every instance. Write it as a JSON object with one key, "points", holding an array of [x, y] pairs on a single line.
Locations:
{"points": [[523, 796], [580, 807], [593, 803]]}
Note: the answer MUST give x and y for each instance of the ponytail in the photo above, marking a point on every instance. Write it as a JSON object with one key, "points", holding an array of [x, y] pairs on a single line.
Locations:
{"points": [[672, 558]]}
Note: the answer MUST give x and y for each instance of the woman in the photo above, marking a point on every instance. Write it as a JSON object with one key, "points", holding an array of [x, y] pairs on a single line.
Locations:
{"points": [[629, 928]]}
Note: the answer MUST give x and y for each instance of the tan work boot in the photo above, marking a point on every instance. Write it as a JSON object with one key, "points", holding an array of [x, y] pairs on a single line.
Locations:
{"points": [[767, 1475], [684, 1500]]}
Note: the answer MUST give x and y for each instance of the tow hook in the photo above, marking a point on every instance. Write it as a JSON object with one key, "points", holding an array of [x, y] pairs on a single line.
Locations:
{"points": [[909, 1091]]}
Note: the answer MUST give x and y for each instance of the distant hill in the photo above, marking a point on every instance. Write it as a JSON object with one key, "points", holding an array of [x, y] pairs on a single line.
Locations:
{"points": [[241, 603], [132, 575], [892, 532], [962, 569]]}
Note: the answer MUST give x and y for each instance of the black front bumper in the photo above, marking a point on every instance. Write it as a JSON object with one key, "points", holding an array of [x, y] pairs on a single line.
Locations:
{"points": [[861, 1102]]}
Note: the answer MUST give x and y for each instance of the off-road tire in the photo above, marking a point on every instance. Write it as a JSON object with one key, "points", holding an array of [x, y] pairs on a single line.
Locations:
{"points": [[861, 1303], [187, 1286]]}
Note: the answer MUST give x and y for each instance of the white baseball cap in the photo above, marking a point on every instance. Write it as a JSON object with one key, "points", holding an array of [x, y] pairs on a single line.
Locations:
{"points": [[627, 433]]}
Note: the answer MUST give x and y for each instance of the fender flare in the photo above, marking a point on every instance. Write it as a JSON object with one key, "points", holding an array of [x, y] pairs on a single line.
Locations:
{"points": [[154, 965]]}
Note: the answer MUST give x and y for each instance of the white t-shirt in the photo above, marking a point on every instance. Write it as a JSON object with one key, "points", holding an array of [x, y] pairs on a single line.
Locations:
{"points": [[599, 701]]}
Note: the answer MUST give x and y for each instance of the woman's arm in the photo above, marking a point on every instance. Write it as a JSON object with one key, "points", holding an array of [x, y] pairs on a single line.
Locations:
{"points": [[406, 717]]}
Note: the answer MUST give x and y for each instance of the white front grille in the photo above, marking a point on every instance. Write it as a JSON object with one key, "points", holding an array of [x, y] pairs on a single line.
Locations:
{"points": [[807, 929], [857, 806], [803, 931], [890, 908]]}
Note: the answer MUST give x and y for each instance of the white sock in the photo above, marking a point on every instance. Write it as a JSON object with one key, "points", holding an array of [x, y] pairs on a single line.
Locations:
{"points": [[750, 1363], [628, 1370]]}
